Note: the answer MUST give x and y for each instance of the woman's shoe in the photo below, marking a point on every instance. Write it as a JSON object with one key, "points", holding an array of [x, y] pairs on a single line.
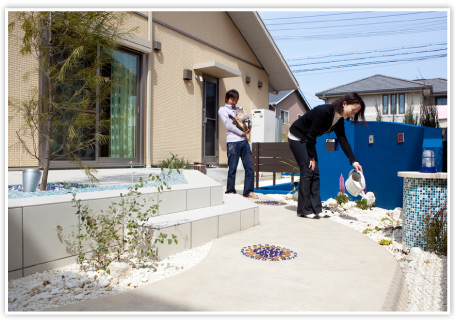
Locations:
{"points": [[313, 216], [325, 214]]}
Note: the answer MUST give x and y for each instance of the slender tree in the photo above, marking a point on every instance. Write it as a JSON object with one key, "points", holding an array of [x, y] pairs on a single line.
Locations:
{"points": [[378, 112], [428, 112], [409, 117], [62, 115]]}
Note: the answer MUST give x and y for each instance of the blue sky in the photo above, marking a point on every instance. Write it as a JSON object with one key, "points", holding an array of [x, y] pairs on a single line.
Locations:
{"points": [[328, 48]]}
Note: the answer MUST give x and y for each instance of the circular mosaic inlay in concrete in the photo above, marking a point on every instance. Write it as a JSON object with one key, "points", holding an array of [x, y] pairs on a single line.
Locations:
{"points": [[271, 202], [268, 252]]}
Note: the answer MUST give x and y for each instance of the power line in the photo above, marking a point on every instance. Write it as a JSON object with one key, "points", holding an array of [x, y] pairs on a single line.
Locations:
{"points": [[373, 17], [355, 29], [369, 57], [366, 52], [356, 25], [371, 63], [333, 14], [361, 34]]}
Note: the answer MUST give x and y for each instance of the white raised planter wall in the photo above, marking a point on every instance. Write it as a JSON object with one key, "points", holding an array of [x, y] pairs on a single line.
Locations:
{"points": [[196, 213]]}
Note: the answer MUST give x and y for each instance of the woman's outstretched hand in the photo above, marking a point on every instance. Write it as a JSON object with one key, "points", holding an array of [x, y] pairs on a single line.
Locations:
{"points": [[358, 168], [312, 164]]}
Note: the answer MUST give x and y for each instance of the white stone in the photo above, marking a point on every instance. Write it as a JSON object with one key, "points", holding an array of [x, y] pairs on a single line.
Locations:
{"points": [[119, 269], [331, 202], [397, 213], [93, 275], [103, 282], [416, 252], [73, 284], [349, 205], [55, 291], [370, 197], [79, 297]]}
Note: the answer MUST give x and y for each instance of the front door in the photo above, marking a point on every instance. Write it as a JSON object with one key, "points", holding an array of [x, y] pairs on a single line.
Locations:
{"points": [[210, 121]]}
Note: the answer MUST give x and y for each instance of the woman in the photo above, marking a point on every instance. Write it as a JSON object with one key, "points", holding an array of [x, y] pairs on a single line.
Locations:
{"points": [[302, 141]]}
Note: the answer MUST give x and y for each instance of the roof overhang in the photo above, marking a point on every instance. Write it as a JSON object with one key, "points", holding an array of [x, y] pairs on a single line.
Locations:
{"points": [[216, 69], [322, 95], [253, 30]]}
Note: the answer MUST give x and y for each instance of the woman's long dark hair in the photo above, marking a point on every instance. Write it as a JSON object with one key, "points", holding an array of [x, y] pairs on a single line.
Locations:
{"points": [[351, 99]]}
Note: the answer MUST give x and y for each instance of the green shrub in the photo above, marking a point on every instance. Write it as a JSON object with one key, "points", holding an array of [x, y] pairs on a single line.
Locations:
{"points": [[386, 219], [429, 116], [378, 112], [117, 233], [435, 231], [385, 242], [341, 199], [174, 162], [362, 204], [409, 117]]}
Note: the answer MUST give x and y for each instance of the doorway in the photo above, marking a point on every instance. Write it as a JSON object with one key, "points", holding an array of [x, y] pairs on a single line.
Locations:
{"points": [[210, 121]]}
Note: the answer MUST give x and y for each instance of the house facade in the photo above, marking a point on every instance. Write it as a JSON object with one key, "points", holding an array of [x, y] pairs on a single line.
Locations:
{"points": [[392, 96], [289, 105], [180, 65]]}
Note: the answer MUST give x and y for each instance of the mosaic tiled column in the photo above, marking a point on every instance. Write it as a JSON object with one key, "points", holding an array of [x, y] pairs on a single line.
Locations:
{"points": [[423, 193]]}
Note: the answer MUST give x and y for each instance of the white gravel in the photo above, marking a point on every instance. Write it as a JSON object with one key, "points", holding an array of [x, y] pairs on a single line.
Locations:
{"points": [[69, 285], [425, 273]]}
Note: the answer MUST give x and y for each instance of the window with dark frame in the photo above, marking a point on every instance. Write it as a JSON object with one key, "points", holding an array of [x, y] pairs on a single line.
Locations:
{"points": [[121, 106], [385, 104], [401, 103], [284, 116], [393, 104], [441, 101], [120, 113]]}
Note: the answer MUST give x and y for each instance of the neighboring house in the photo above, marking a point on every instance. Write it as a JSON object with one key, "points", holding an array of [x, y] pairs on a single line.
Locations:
{"points": [[288, 105], [392, 96], [438, 97], [183, 63]]}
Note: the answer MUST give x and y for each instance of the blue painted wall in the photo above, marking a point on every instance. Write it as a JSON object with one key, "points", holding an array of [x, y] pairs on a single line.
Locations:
{"points": [[381, 161]]}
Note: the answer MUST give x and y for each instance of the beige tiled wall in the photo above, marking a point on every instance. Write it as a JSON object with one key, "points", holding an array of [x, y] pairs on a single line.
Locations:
{"points": [[137, 24], [176, 123], [22, 80], [177, 104]]}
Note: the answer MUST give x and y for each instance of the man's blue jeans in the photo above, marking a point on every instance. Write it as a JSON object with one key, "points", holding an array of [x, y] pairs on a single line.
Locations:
{"points": [[236, 151]]}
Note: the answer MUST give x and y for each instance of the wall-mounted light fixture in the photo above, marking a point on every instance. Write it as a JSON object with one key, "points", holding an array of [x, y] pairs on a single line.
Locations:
{"points": [[156, 46], [248, 79], [371, 139], [260, 84], [187, 74]]}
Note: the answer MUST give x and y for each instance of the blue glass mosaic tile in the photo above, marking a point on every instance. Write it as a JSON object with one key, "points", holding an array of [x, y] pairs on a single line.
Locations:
{"points": [[268, 252], [61, 188], [420, 198]]}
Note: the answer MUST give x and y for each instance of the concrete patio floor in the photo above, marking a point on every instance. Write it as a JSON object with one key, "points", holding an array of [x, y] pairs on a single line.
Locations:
{"points": [[337, 270]]}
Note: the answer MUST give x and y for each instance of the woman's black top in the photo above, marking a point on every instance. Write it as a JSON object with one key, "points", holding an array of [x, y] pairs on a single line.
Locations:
{"points": [[316, 122]]}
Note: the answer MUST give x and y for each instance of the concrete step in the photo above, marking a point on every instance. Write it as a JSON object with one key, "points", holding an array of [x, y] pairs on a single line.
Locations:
{"points": [[196, 227], [196, 211]]}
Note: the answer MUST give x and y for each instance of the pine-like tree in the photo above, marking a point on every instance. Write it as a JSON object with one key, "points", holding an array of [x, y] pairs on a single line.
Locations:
{"points": [[71, 49]]}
